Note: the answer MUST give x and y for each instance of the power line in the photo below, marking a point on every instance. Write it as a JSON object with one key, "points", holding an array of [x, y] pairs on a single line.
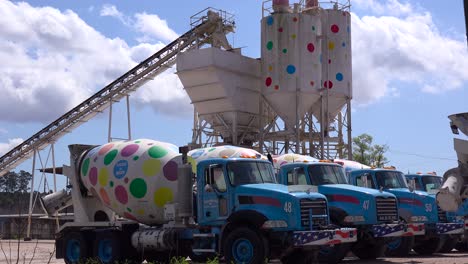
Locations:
{"points": [[420, 155]]}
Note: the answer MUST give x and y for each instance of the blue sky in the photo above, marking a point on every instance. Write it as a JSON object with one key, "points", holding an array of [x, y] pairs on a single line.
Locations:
{"points": [[410, 70]]}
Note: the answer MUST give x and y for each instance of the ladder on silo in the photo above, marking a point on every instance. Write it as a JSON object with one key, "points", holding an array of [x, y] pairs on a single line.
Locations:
{"points": [[204, 29]]}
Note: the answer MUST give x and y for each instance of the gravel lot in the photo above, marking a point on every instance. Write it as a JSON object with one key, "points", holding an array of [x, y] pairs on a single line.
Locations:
{"points": [[45, 248]]}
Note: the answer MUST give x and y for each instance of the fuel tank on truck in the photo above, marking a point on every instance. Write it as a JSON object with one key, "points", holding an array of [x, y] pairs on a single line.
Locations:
{"points": [[133, 178]]}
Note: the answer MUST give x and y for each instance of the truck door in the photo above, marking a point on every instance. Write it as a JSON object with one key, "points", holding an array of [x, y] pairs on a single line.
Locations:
{"points": [[296, 176], [214, 203]]}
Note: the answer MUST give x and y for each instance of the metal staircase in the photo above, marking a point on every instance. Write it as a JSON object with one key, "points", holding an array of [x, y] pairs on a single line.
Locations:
{"points": [[209, 28]]}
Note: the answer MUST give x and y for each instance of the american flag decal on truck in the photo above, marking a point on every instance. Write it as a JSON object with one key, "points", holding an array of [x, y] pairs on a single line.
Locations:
{"points": [[324, 237]]}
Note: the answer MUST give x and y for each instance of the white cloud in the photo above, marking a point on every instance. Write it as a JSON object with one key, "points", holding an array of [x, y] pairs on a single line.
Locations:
{"points": [[408, 50], [153, 27], [112, 11], [53, 60], [5, 147], [386, 7]]}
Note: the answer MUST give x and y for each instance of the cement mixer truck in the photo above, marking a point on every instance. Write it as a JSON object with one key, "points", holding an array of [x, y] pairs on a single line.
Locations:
{"points": [[141, 199], [373, 213], [454, 188]]}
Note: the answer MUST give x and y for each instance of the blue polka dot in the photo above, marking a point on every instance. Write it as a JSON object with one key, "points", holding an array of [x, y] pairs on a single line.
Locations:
{"points": [[291, 69], [270, 20], [339, 76], [197, 154], [320, 58], [343, 44], [347, 29]]}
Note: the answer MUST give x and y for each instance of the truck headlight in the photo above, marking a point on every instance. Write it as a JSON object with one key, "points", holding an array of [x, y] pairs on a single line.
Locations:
{"points": [[274, 224], [354, 218], [418, 218]]}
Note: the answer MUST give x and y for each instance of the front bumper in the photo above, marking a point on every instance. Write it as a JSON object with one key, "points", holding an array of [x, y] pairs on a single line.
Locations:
{"points": [[324, 237], [398, 230], [450, 228]]}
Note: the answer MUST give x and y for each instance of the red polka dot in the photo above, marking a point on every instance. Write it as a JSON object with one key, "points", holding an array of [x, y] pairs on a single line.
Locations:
{"points": [[310, 47], [268, 81], [335, 28], [329, 61], [328, 84], [312, 83], [130, 216], [280, 29], [295, 19], [276, 87]]}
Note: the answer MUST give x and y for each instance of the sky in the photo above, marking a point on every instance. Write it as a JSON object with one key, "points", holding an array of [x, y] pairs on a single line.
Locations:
{"points": [[410, 71]]}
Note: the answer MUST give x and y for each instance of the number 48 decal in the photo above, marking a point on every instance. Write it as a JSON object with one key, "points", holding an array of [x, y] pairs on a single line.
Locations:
{"points": [[288, 207]]}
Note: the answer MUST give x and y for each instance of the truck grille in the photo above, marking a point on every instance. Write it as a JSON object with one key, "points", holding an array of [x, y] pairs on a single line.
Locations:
{"points": [[442, 215], [387, 210], [319, 212]]}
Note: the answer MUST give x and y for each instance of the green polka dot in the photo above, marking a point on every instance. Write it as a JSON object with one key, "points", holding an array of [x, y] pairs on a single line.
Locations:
{"points": [[138, 188], [313, 28], [111, 184], [136, 158], [128, 209], [211, 149], [103, 176], [137, 141], [85, 167], [151, 167], [157, 152], [269, 45], [285, 51], [162, 196], [110, 157]]}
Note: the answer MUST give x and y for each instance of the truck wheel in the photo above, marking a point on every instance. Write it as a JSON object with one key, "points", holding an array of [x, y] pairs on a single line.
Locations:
{"points": [[399, 246], [368, 250], [461, 246], [107, 247], [75, 249], [333, 254], [449, 244], [244, 245], [429, 246], [300, 257]]}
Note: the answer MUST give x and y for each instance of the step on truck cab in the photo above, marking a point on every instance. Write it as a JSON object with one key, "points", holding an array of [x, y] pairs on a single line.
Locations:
{"points": [[373, 213], [430, 183], [226, 203], [414, 206]]}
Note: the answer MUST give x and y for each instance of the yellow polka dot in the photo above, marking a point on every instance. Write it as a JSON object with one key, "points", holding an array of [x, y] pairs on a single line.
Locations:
{"points": [[331, 45], [293, 36], [270, 68], [193, 163], [162, 196], [151, 167], [140, 211], [103, 176]]}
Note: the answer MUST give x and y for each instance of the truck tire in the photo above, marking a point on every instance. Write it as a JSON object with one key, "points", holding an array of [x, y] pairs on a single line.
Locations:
{"points": [[449, 245], [75, 249], [107, 247], [243, 245], [429, 246], [299, 256], [370, 250], [333, 254], [462, 246], [399, 246]]}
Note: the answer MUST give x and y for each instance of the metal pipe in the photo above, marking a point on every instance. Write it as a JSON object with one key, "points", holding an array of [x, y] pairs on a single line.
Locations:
{"points": [[28, 232], [128, 118]]}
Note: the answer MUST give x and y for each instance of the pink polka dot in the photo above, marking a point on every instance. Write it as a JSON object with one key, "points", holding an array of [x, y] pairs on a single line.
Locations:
{"points": [[129, 150], [104, 196], [93, 175], [280, 29], [121, 194], [170, 171], [268, 81], [130, 216], [335, 28], [104, 149], [276, 87], [310, 47], [328, 84]]}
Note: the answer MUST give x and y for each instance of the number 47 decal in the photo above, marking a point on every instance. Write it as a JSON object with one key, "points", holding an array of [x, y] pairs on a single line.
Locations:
{"points": [[365, 205]]}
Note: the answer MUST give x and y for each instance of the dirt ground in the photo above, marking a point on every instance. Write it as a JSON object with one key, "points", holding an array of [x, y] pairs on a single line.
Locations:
{"points": [[43, 252]]}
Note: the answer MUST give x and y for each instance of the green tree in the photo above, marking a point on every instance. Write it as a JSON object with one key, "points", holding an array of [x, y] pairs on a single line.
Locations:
{"points": [[367, 153]]}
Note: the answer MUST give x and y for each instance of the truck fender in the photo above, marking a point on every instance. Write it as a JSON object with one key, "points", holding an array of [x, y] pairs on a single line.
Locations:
{"points": [[248, 218], [337, 215], [405, 215]]}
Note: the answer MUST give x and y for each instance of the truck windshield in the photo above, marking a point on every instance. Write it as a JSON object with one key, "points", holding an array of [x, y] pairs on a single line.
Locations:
{"points": [[327, 174], [390, 179], [431, 183], [248, 172]]}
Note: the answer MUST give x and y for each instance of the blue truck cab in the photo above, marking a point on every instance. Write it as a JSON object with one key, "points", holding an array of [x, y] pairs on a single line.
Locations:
{"points": [[256, 218], [430, 184], [414, 206], [373, 213]]}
